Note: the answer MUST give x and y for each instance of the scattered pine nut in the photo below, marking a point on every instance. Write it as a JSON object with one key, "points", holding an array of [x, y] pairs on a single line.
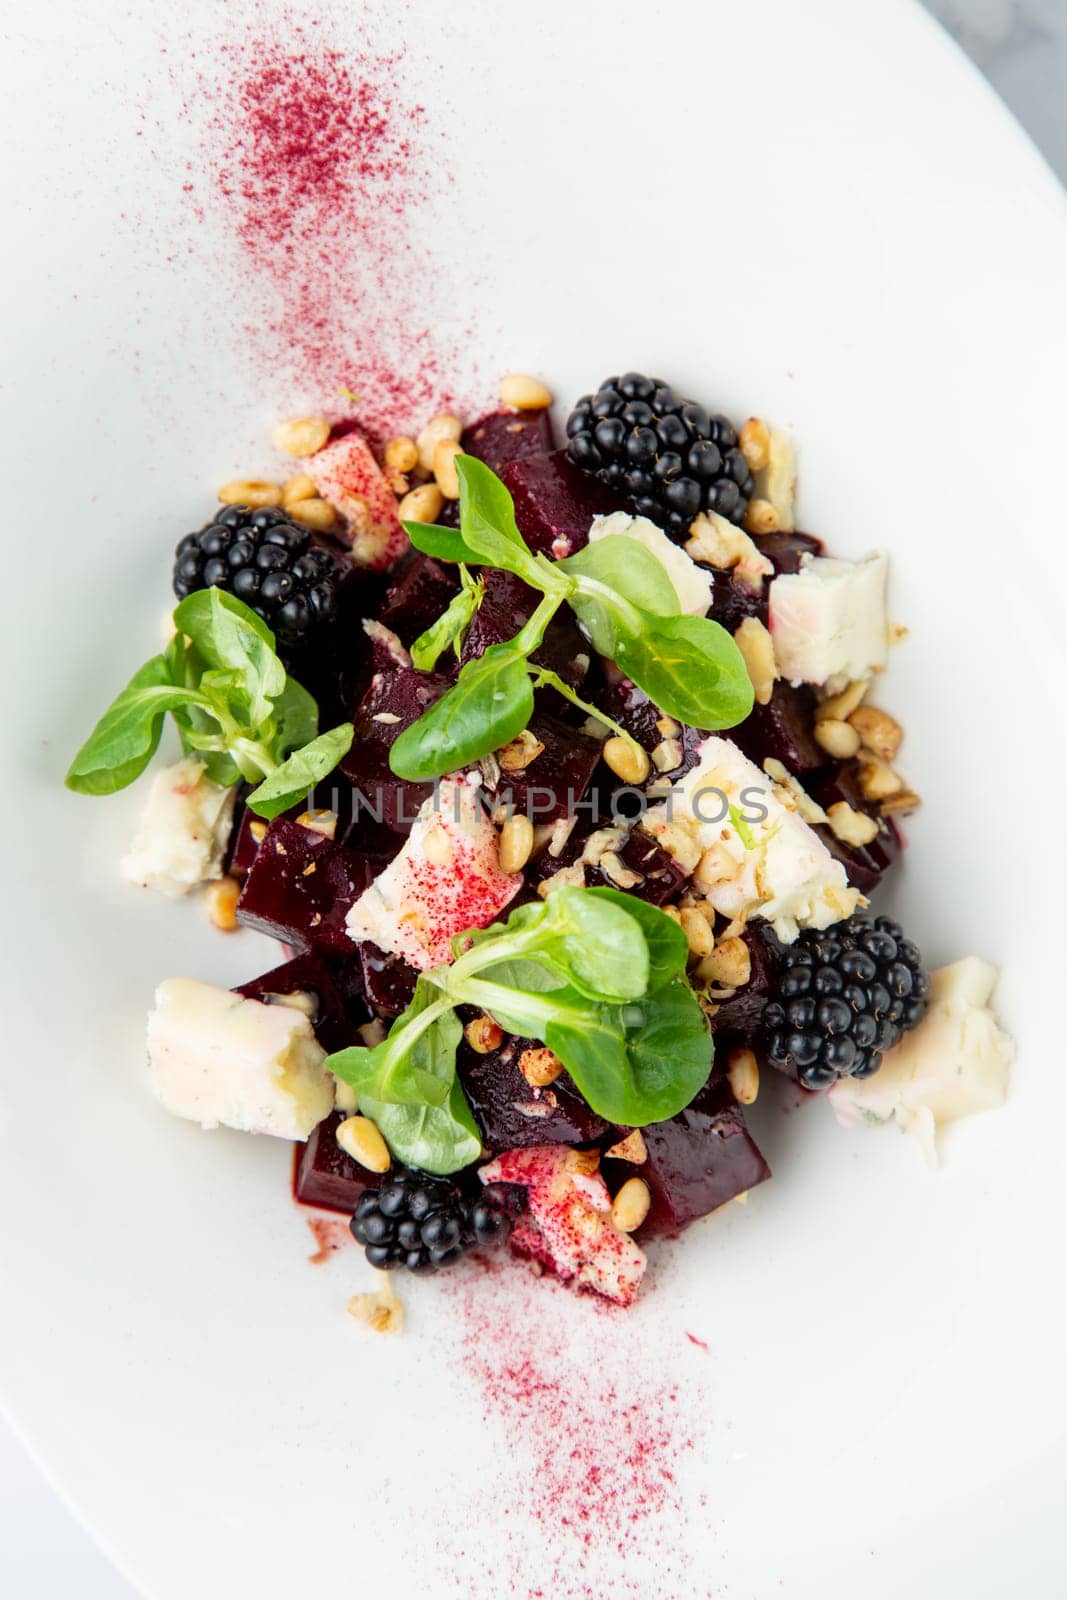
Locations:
{"points": [[698, 935], [253, 492], [483, 1034], [523, 749], [754, 439], [667, 755], [729, 965], [301, 436], [258, 830], [626, 759], [878, 781], [516, 843], [631, 1205], [742, 1069], [757, 651], [313, 513], [359, 1138], [900, 804], [540, 1067], [524, 393], [380, 1309], [444, 467], [324, 822], [221, 898], [840, 707], [422, 504], [878, 731], [761, 517], [299, 488], [632, 1149], [401, 454], [851, 827], [446, 426], [838, 739]]}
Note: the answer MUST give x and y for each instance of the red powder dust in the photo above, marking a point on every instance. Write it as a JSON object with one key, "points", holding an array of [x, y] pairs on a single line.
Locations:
{"points": [[595, 1429], [330, 1235], [315, 164]]}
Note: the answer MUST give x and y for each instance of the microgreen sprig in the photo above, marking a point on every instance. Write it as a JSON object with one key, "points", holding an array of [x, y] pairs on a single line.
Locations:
{"points": [[597, 976], [625, 603], [235, 707]]}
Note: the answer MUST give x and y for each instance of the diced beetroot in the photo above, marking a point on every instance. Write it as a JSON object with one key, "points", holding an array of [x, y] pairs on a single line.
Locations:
{"points": [[346, 474], [422, 591], [631, 708], [300, 887], [661, 878], [737, 1020], [394, 700], [557, 778], [339, 1002], [787, 550], [388, 982], [866, 864], [783, 729], [696, 1162], [506, 436], [731, 602], [555, 502], [508, 603], [325, 1176], [512, 1114]]}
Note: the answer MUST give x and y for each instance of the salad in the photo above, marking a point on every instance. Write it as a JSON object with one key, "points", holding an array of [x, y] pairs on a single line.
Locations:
{"points": [[557, 774]]}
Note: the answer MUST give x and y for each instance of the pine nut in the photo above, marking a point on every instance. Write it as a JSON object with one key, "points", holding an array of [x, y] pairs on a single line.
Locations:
{"points": [[839, 707], [698, 935], [253, 492], [903, 801], [516, 843], [615, 869], [444, 467], [729, 964], [221, 899], [344, 1098], [359, 1138], [324, 822], [754, 439], [757, 651], [632, 1149], [878, 730], [258, 830], [483, 1034], [313, 513], [631, 1205], [742, 1069], [761, 517], [540, 1067], [446, 426], [878, 781], [399, 482], [626, 759], [523, 749], [524, 393], [838, 739], [422, 504], [301, 436], [402, 454], [380, 1309], [851, 827], [299, 488], [667, 755]]}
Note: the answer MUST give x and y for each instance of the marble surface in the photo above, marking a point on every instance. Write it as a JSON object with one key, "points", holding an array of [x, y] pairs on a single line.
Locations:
{"points": [[1021, 46]]}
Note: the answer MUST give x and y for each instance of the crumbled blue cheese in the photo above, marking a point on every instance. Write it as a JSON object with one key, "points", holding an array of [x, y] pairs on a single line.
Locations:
{"points": [[692, 584], [954, 1063], [829, 622], [183, 832], [750, 850], [217, 1058]]}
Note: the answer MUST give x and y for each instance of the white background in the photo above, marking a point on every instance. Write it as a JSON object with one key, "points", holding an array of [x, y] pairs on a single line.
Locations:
{"points": [[1022, 46]]}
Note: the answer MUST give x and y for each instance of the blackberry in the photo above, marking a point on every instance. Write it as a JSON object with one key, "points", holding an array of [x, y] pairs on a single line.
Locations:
{"points": [[423, 1223], [269, 563], [841, 998], [670, 457]]}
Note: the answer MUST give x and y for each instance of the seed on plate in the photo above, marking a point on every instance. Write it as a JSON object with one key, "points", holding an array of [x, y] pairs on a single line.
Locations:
{"points": [[838, 739], [446, 426], [483, 1034], [698, 935], [742, 1069], [380, 1309], [851, 827], [877, 779], [299, 488], [523, 392], [422, 504], [516, 843], [617, 872], [626, 759], [359, 1138], [324, 822], [399, 482], [301, 436], [319, 515], [523, 749], [839, 707], [899, 804], [344, 1098], [632, 1149], [444, 467], [253, 492], [258, 830], [667, 755], [754, 438], [729, 965], [878, 730], [757, 651], [540, 1067], [631, 1205], [221, 899], [761, 517], [401, 454]]}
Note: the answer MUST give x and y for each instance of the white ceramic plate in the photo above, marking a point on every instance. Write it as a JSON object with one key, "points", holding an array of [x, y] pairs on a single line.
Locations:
{"points": [[814, 212]]}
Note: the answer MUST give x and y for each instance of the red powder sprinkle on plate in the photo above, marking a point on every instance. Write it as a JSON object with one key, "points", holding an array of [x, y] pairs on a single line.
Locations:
{"points": [[330, 1235]]}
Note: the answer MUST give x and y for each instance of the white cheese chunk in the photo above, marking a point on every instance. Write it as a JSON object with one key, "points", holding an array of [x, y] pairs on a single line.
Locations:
{"points": [[183, 831], [776, 482], [954, 1063], [216, 1057], [829, 622], [752, 852], [691, 583], [446, 878]]}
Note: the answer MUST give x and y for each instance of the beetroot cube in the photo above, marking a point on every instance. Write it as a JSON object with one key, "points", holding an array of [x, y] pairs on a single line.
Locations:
{"points": [[508, 603], [631, 708], [510, 1113], [662, 879], [555, 502], [388, 982], [731, 602], [697, 1161], [866, 865], [300, 888], [784, 729], [339, 1004], [325, 1176], [421, 592], [394, 700], [557, 777], [506, 436]]}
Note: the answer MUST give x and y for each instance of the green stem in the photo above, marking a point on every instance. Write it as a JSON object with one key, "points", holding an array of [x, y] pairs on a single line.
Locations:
{"points": [[636, 620], [532, 632], [543, 678], [252, 757]]}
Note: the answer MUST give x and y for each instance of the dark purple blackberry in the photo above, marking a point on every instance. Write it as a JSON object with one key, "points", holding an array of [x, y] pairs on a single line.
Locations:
{"points": [[269, 563], [841, 998], [422, 1223], [669, 457]]}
